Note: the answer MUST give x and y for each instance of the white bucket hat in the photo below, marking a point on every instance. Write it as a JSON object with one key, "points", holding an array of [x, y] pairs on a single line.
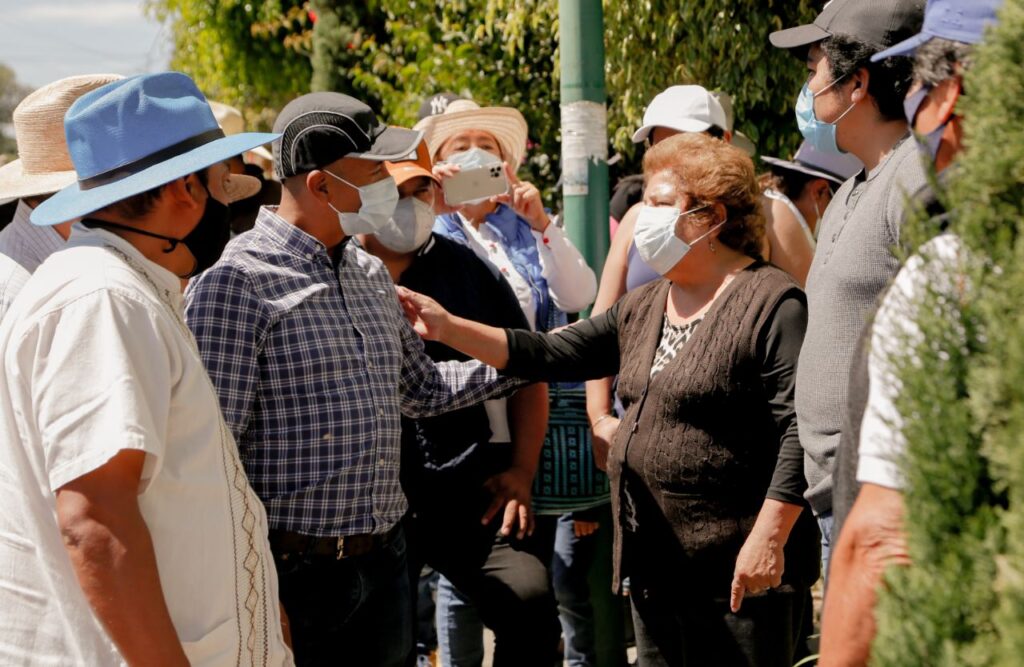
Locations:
{"points": [[44, 165], [506, 124]]}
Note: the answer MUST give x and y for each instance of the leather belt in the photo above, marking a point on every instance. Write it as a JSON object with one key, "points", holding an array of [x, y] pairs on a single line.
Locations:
{"points": [[285, 543]]}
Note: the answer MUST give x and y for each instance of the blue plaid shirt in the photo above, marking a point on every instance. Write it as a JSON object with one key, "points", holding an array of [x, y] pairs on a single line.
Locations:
{"points": [[314, 365]]}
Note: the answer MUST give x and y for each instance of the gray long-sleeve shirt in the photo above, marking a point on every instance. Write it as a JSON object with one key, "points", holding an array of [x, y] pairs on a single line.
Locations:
{"points": [[853, 263]]}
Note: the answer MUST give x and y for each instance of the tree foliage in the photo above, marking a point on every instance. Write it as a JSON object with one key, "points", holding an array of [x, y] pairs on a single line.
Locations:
{"points": [[253, 54], [11, 94], [393, 53], [962, 601]]}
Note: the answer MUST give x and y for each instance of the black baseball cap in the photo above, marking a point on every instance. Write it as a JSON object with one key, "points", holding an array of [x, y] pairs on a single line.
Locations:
{"points": [[436, 105], [878, 23], [319, 128]]}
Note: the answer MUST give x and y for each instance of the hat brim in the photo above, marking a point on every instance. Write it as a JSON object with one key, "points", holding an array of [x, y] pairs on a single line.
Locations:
{"points": [[744, 143], [905, 48], [16, 184], [803, 169], [73, 202], [681, 125], [394, 143], [798, 37], [506, 124], [406, 172]]}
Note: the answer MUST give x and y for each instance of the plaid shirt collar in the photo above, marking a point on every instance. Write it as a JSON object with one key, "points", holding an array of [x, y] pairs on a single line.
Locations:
{"points": [[290, 238]]}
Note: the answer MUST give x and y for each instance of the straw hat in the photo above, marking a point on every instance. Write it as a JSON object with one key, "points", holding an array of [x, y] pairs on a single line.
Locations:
{"points": [[506, 124], [44, 165], [230, 120]]}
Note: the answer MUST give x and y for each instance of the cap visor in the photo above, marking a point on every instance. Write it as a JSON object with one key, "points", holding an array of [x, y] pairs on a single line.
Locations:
{"points": [[803, 169], [394, 143], [74, 202], [904, 48], [794, 38], [680, 125]]}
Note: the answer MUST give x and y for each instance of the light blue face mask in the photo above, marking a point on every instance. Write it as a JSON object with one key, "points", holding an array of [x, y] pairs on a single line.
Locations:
{"points": [[820, 135]]}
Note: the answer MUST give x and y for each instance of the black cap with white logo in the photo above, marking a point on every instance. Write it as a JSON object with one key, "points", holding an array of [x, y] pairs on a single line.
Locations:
{"points": [[878, 23], [320, 128], [435, 105]]}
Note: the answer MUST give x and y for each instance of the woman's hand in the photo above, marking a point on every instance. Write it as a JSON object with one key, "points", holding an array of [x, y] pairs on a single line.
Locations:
{"points": [[601, 435], [524, 198], [759, 567], [426, 316], [760, 563], [441, 205]]}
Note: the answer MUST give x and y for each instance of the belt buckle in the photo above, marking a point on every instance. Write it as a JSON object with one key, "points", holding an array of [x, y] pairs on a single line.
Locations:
{"points": [[341, 548]]}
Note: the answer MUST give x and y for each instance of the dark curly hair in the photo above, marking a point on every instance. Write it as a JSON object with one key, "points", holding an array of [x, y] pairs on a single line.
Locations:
{"points": [[888, 80]]}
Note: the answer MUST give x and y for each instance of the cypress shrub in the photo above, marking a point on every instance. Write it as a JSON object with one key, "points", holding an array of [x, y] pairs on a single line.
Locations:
{"points": [[962, 601]]}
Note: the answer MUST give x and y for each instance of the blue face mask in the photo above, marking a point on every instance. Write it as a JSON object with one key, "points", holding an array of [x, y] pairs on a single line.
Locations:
{"points": [[821, 136], [911, 106]]}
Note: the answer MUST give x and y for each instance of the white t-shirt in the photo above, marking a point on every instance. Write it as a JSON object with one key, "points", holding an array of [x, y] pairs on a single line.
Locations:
{"points": [[893, 335], [97, 359]]}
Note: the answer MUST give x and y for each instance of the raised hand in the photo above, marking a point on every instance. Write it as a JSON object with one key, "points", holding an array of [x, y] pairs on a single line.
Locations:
{"points": [[524, 198]]}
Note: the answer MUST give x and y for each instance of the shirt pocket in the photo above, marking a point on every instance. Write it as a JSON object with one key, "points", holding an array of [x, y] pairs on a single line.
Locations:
{"points": [[217, 647]]}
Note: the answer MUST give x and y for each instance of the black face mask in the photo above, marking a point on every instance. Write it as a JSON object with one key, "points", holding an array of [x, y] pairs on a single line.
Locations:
{"points": [[206, 241]]}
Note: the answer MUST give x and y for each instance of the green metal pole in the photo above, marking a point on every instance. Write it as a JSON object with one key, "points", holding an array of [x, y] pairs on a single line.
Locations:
{"points": [[584, 128], [585, 210]]}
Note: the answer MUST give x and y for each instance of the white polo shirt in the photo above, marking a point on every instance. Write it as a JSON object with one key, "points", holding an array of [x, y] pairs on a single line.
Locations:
{"points": [[97, 359]]}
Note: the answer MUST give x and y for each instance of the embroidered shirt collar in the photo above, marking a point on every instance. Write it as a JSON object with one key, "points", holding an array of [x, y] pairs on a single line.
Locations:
{"points": [[94, 236]]}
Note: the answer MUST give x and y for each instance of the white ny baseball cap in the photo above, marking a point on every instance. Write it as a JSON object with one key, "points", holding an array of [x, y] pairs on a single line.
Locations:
{"points": [[682, 108]]}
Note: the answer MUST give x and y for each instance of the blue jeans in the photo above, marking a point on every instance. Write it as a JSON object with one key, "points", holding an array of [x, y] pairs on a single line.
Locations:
{"points": [[569, 569], [426, 632], [353, 611], [460, 632], [825, 526]]}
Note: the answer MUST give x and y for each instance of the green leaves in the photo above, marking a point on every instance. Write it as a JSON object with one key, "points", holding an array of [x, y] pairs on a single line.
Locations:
{"points": [[962, 603], [258, 54]]}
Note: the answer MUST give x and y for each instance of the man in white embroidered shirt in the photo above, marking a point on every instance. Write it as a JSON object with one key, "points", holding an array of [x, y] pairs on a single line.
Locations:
{"points": [[129, 532]]}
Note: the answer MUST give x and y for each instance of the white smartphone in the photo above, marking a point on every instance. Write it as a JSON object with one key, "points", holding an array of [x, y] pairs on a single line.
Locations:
{"points": [[475, 184]]}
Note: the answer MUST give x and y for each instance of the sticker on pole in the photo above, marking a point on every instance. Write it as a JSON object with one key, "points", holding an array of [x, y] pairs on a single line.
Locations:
{"points": [[584, 139]]}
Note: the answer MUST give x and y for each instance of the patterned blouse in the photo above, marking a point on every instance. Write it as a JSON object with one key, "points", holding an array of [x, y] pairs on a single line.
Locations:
{"points": [[673, 337]]}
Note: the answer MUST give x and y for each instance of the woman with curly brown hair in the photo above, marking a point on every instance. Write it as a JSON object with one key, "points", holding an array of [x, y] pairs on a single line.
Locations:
{"points": [[707, 468]]}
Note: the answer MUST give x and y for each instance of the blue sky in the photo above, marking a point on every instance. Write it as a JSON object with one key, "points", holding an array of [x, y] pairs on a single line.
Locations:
{"points": [[45, 40]]}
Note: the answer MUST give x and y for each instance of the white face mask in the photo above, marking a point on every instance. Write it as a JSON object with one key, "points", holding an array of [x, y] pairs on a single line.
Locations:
{"points": [[409, 227], [376, 205], [656, 240], [474, 157]]}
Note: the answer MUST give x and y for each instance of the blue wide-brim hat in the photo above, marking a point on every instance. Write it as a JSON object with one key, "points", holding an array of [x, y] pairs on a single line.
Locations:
{"points": [[137, 134]]}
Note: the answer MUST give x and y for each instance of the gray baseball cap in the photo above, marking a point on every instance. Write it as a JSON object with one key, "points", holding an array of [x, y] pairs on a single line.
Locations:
{"points": [[878, 23]]}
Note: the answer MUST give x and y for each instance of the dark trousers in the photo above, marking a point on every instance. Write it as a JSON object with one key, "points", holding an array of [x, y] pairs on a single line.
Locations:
{"points": [[506, 583], [679, 628], [349, 612]]}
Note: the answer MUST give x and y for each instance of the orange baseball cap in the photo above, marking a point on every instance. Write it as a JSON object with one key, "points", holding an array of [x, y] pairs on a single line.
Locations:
{"points": [[417, 164]]}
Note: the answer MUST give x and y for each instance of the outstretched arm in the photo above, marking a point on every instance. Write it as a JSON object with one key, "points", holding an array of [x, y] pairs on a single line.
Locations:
{"points": [[586, 350]]}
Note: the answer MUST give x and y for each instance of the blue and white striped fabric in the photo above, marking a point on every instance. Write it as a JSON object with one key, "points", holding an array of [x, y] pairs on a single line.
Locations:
{"points": [[314, 365]]}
